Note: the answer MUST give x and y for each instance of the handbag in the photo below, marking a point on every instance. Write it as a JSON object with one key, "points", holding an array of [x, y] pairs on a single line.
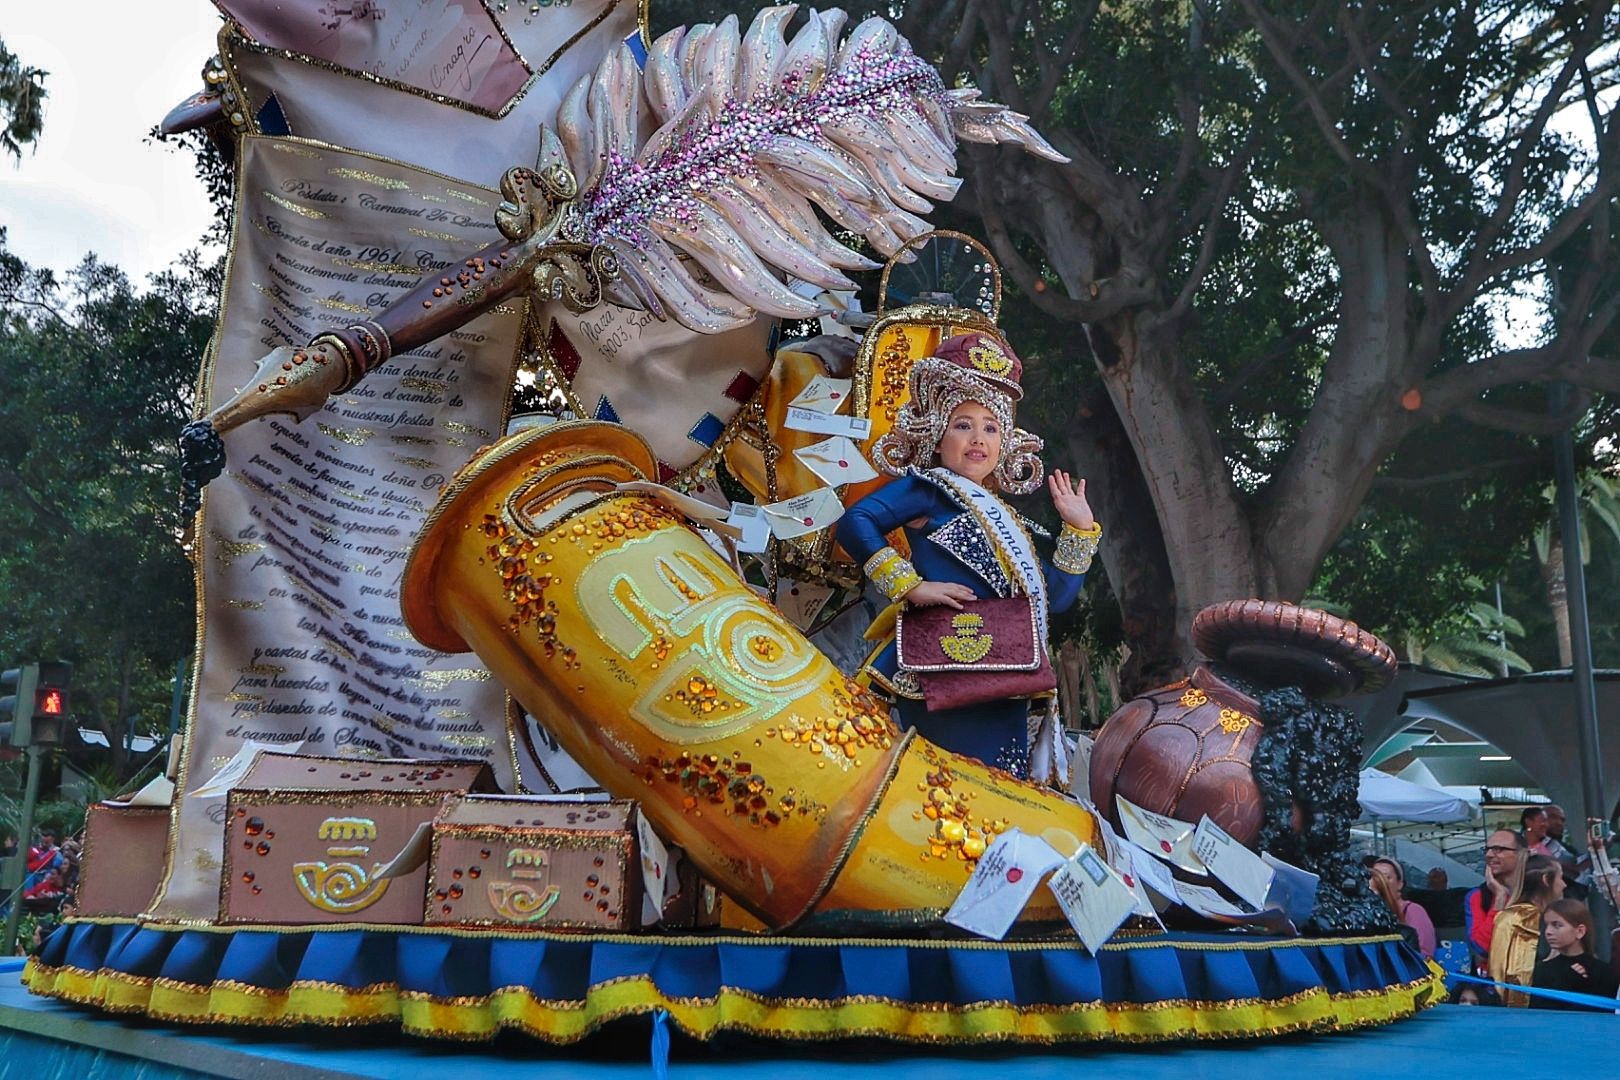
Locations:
{"points": [[990, 650]]}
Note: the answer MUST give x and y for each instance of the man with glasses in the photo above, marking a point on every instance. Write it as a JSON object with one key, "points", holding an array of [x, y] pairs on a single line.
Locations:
{"points": [[1505, 852]]}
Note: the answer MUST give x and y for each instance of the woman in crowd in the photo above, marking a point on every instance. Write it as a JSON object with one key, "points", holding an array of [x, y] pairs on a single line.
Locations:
{"points": [[1569, 963], [1387, 882], [1518, 927]]}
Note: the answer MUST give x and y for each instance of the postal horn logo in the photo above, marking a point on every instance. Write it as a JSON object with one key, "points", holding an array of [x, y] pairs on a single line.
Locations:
{"points": [[990, 358], [967, 644], [342, 886]]}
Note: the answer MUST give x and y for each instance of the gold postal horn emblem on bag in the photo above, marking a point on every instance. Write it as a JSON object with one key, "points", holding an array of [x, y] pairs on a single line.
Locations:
{"points": [[968, 643]]}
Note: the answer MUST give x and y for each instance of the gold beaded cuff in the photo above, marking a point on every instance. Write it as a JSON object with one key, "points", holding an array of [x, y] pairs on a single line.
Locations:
{"points": [[1075, 547], [891, 573]]}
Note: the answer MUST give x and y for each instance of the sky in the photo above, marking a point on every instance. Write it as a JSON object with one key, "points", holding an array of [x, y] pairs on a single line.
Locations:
{"points": [[93, 182]]}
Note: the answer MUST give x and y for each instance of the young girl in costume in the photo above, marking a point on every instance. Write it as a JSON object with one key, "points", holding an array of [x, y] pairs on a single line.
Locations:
{"points": [[954, 451], [1569, 964]]}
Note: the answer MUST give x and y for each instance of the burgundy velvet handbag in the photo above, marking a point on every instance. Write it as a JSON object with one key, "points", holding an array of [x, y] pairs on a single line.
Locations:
{"points": [[988, 651]]}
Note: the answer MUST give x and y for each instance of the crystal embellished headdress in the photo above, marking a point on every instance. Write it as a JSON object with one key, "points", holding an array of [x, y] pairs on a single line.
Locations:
{"points": [[968, 367], [755, 131]]}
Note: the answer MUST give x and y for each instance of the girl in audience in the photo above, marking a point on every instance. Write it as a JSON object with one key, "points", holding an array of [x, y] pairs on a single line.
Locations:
{"points": [[1387, 882], [1569, 963]]}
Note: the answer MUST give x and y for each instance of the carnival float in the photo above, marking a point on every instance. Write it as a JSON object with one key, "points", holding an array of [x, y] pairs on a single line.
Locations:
{"points": [[536, 724]]}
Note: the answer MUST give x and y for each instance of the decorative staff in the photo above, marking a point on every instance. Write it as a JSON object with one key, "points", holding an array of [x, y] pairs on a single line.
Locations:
{"points": [[697, 221]]}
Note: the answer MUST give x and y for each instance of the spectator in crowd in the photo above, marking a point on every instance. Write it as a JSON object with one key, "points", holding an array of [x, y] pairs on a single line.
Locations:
{"points": [[1569, 963], [1504, 872], [1556, 821], [1577, 868], [1517, 930], [1437, 880], [1387, 881], [1533, 824]]}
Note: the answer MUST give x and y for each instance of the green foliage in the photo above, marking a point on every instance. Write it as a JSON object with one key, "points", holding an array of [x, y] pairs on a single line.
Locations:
{"points": [[22, 103], [1471, 642], [1163, 102], [95, 380]]}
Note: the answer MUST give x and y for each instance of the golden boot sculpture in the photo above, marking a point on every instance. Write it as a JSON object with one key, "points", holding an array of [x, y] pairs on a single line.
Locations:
{"points": [[612, 621]]}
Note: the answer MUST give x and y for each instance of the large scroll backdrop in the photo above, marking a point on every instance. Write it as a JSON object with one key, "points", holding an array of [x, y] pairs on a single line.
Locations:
{"points": [[301, 543]]}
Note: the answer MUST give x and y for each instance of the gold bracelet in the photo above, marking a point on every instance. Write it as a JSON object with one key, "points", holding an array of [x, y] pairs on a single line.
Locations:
{"points": [[1075, 548], [891, 573]]}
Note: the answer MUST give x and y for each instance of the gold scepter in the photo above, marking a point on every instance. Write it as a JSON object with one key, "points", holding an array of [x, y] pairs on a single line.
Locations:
{"points": [[542, 249]]}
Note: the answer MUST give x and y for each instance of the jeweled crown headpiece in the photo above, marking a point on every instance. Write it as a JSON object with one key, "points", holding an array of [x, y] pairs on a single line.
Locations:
{"points": [[972, 367]]}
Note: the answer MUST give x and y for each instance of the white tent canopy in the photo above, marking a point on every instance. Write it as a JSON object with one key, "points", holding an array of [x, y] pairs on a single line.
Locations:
{"points": [[1389, 798]]}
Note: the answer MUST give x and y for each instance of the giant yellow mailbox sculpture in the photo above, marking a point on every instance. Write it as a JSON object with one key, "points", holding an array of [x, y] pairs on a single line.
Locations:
{"points": [[674, 684]]}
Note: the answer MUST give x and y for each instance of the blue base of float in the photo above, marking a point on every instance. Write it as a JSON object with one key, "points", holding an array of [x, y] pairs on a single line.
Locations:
{"points": [[562, 988], [41, 1039]]}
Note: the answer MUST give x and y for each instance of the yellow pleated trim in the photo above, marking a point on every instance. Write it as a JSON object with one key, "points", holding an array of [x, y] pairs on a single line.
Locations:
{"points": [[481, 1017]]}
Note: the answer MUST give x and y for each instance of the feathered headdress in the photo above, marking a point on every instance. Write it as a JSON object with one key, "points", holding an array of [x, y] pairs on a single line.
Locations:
{"points": [[703, 217]]}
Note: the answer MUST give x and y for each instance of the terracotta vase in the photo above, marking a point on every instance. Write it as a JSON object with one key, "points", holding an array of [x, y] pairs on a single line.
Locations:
{"points": [[1183, 750]]}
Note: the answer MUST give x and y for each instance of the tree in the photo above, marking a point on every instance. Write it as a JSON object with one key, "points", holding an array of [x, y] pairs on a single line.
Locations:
{"points": [[1374, 181], [1598, 496], [1475, 643], [1296, 237], [95, 379], [22, 103]]}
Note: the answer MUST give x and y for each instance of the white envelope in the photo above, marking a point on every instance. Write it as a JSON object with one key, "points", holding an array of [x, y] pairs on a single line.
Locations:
{"points": [[800, 418], [1292, 889], [695, 510], [1080, 768], [412, 856], [1206, 901], [657, 872], [1117, 851], [823, 394], [158, 791], [801, 601], [803, 513], [1153, 873], [1008, 873], [836, 460], [1215, 907], [1236, 867], [751, 522], [1093, 897], [1164, 837], [236, 768]]}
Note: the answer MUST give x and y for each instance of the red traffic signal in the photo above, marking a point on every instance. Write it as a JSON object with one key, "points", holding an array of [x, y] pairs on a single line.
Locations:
{"points": [[36, 707]]}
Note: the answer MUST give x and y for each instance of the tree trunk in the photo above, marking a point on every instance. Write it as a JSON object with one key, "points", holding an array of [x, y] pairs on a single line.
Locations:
{"points": [[1132, 552], [1204, 531], [1552, 578], [1357, 418], [120, 723], [1070, 663]]}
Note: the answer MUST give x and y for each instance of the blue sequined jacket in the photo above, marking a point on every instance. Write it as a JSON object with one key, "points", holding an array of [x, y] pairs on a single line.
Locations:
{"points": [[947, 544]]}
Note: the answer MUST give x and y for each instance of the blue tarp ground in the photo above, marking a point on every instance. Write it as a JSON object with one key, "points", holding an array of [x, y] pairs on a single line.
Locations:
{"points": [[47, 1040]]}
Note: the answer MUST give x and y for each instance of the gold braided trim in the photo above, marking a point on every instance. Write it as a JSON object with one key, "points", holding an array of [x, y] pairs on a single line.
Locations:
{"points": [[892, 573], [1075, 548], [482, 1017], [703, 940]]}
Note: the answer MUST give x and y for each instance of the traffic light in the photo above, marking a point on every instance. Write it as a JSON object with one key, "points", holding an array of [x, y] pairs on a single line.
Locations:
{"points": [[51, 701], [35, 708]]}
